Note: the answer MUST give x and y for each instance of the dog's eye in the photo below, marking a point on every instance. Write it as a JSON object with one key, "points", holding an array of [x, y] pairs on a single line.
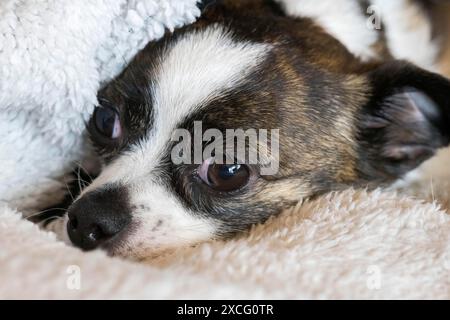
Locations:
{"points": [[107, 122], [224, 177]]}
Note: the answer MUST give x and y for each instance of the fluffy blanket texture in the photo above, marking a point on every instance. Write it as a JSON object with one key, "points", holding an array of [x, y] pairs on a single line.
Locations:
{"points": [[54, 55], [345, 245]]}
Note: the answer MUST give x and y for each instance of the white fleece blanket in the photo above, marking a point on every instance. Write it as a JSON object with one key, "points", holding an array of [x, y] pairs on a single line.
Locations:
{"points": [[54, 55]]}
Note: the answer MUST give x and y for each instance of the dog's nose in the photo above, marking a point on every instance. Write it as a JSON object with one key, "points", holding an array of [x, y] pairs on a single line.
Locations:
{"points": [[97, 217]]}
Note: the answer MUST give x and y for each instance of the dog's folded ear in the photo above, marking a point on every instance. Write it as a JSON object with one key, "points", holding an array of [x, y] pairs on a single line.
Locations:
{"points": [[406, 120]]}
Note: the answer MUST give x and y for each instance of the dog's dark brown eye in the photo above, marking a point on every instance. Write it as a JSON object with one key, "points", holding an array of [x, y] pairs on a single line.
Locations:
{"points": [[107, 122], [225, 177]]}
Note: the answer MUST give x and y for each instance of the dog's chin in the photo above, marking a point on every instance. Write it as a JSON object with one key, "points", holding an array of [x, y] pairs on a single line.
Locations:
{"points": [[141, 254], [133, 246]]}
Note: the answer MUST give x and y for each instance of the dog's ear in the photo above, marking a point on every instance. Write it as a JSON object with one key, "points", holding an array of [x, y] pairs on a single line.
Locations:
{"points": [[406, 120]]}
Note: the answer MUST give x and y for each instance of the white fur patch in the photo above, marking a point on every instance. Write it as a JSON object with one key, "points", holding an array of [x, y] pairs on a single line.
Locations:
{"points": [[163, 223], [195, 69]]}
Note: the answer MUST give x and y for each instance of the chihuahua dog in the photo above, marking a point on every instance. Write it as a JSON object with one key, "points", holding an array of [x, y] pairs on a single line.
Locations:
{"points": [[346, 113]]}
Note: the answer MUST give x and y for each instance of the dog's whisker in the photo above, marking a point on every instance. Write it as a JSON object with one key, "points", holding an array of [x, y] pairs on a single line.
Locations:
{"points": [[44, 211], [81, 182], [69, 192], [432, 190], [56, 218], [80, 165], [78, 175]]}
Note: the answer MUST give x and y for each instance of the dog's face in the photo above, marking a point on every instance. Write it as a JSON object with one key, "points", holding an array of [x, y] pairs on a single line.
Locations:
{"points": [[341, 122]]}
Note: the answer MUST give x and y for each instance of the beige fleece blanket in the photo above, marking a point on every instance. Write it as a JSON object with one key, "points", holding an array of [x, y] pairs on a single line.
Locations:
{"points": [[353, 244]]}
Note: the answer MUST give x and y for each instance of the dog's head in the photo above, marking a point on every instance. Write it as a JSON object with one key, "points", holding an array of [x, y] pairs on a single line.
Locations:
{"points": [[331, 121]]}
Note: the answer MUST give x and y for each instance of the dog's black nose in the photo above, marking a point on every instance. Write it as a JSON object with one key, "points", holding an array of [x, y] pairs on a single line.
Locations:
{"points": [[97, 217]]}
